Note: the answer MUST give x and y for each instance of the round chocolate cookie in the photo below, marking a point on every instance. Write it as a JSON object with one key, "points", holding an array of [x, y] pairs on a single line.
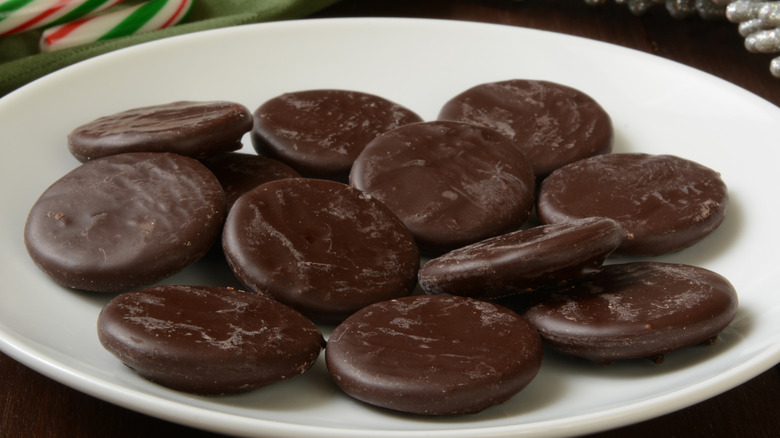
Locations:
{"points": [[319, 133], [321, 247], [523, 260], [239, 173], [434, 354], [552, 124], [193, 129], [208, 340], [664, 203], [125, 221], [451, 183], [634, 310]]}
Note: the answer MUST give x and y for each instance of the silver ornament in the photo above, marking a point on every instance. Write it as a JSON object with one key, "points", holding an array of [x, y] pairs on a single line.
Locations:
{"points": [[749, 26], [764, 41], [681, 8], [774, 67], [759, 23], [639, 7], [759, 20], [770, 14], [742, 10], [709, 10]]}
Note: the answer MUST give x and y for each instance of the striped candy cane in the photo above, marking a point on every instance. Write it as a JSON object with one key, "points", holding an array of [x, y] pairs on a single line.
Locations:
{"points": [[22, 15], [152, 15]]}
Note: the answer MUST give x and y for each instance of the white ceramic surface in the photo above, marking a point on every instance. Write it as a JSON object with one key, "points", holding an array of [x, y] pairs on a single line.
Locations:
{"points": [[657, 107]]}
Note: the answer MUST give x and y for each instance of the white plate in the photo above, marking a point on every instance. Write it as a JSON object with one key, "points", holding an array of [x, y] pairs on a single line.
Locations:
{"points": [[657, 106]]}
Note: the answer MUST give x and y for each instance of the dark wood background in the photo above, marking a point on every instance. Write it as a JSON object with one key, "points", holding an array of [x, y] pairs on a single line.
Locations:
{"points": [[32, 405]]}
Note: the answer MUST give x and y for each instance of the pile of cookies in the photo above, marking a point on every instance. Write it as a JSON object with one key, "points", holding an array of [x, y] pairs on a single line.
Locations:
{"points": [[351, 202]]}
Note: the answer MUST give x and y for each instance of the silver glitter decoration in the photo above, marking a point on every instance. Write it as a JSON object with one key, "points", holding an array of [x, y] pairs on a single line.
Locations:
{"points": [[770, 14], [706, 9], [749, 26], [709, 9], [774, 67], [742, 10], [681, 8], [765, 41], [759, 20], [759, 23], [638, 7]]}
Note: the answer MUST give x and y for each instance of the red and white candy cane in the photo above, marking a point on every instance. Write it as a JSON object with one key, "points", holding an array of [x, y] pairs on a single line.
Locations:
{"points": [[21, 15], [145, 17]]}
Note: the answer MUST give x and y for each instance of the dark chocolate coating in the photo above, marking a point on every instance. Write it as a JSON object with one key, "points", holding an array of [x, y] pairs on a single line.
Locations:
{"points": [[193, 129], [434, 354], [552, 124], [319, 246], [634, 310], [125, 221], [523, 260], [664, 203], [319, 133], [208, 340], [451, 183], [239, 173]]}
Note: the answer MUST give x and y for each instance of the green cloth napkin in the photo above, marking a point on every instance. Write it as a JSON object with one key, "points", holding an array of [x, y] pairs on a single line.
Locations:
{"points": [[21, 62]]}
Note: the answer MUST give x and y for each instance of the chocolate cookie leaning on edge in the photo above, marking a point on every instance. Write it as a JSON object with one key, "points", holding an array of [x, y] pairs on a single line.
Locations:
{"points": [[434, 354], [664, 203], [523, 260], [193, 129], [634, 310], [322, 247], [208, 340], [124, 221]]}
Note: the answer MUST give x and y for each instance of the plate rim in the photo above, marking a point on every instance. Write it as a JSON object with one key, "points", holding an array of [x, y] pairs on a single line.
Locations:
{"points": [[59, 371]]}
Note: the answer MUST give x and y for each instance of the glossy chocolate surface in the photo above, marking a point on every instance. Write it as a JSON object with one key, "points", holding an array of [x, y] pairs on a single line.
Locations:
{"points": [[635, 310], [553, 124], [451, 183], [239, 172], [664, 203], [523, 260], [193, 129], [208, 340], [319, 133], [434, 354], [125, 221], [322, 247]]}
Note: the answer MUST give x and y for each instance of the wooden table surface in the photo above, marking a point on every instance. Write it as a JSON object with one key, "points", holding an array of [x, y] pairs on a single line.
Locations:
{"points": [[32, 405]]}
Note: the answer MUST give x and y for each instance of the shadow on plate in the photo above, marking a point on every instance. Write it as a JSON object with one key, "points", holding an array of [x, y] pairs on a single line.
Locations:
{"points": [[305, 392]]}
